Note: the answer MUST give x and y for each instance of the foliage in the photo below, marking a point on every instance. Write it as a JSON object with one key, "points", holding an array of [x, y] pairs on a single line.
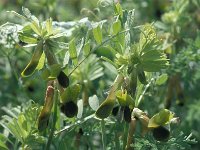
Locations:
{"points": [[115, 77]]}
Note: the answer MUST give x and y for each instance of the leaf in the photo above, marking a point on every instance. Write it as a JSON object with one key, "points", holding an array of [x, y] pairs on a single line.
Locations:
{"points": [[116, 27], [35, 27], [3, 146], [161, 79], [118, 10], [73, 52], [97, 33], [26, 12], [160, 119], [109, 61], [30, 68], [94, 102], [41, 62], [26, 39], [154, 66], [49, 26], [66, 59], [86, 48]]}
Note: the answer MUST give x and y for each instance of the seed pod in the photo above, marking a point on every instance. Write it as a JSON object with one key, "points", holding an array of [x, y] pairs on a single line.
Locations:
{"points": [[144, 120], [30, 68], [70, 109], [44, 115], [161, 133], [133, 83], [131, 131], [141, 75], [43, 121], [63, 79], [127, 114], [105, 109]]}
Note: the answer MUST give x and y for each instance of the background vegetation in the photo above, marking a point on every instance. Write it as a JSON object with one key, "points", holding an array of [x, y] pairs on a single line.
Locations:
{"points": [[96, 32]]}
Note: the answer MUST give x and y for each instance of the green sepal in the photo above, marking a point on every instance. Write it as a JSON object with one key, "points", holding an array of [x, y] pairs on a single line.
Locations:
{"points": [[31, 67], [124, 98], [133, 82], [55, 70], [71, 93], [105, 109], [160, 119]]}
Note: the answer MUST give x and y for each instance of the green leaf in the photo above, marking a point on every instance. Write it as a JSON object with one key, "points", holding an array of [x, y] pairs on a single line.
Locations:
{"points": [[109, 61], [160, 119], [116, 27], [35, 27], [73, 52], [41, 62], [152, 55], [3, 146], [26, 12], [154, 66], [97, 33], [118, 10], [86, 48], [26, 39], [161, 79], [49, 27], [71, 93], [30, 68]]}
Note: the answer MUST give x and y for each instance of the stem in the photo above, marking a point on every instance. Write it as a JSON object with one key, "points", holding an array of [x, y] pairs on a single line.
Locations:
{"points": [[79, 122], [103, 134], [142, 95], [125, 135], [12, 68], [54, 120]]}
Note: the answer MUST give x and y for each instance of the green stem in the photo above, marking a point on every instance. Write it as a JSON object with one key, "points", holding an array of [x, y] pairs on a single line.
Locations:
{"points": [[12, 68], [54, 120], [103, 134], [125, 135], [142, 94]]}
